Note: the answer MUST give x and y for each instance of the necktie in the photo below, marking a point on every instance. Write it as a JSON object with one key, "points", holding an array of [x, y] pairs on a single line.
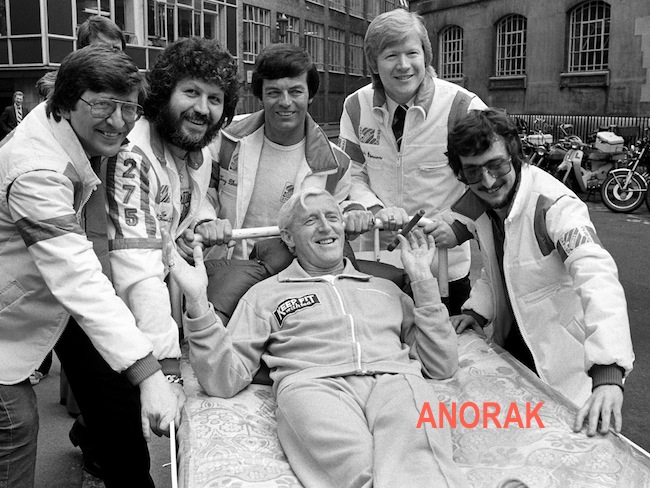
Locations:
{"points": [[19, 115], [398, 124]]}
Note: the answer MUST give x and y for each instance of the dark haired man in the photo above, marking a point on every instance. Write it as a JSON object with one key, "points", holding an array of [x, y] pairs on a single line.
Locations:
{"points": [[266, 157], [100, 30], [49, 270], [13, 114], [548, 287]]}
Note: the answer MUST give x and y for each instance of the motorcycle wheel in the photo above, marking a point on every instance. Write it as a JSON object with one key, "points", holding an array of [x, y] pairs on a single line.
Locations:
{"points": [[623, 200]]}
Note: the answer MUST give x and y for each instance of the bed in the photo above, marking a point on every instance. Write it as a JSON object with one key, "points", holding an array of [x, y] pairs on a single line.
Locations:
{"points": [[233, 442]]}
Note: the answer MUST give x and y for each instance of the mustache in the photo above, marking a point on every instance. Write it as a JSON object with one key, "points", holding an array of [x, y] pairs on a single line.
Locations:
{"points": [[196, 117]]}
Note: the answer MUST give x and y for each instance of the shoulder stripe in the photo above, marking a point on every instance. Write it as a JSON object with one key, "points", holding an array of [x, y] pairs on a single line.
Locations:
{"points": [[459, 108], [353, 109], [545, 243], [35, 231]]}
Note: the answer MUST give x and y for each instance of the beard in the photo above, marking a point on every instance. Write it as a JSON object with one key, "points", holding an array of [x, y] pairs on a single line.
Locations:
{"points": [[506, 200], [169, 126]]}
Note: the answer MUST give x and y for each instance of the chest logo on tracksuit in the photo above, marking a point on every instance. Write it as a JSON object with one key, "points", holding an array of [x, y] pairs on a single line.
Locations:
{"points": [[369, 135], [292, 305]]}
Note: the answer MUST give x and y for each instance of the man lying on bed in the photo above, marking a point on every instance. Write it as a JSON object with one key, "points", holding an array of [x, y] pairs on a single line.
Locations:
{"points": [[347, 353]]}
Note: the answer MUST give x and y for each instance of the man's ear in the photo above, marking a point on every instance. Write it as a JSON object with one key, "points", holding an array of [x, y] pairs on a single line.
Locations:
{"points": [[65, 113], [288, 240]]}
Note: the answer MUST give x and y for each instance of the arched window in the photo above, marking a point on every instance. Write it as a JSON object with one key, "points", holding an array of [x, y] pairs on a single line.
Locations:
{"points": [[589, 36], [511, 46], [450, 52]]}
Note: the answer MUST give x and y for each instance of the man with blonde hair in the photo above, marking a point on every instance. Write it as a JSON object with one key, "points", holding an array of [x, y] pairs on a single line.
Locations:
{"points": [[395, 132]]}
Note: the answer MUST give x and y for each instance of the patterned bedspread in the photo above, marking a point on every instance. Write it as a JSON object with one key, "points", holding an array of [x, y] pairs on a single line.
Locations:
{"points": [[233, 443]]}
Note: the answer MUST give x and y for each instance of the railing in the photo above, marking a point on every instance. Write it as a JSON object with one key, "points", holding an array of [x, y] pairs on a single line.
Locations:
{"points": [[629, 128]]}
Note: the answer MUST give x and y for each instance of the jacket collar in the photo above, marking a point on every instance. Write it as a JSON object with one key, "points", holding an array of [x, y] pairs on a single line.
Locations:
{"points": [[318, 151], [295, 272]]}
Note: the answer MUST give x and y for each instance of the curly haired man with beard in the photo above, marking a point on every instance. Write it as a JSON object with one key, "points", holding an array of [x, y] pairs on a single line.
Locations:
{"points": [[157, 182]]}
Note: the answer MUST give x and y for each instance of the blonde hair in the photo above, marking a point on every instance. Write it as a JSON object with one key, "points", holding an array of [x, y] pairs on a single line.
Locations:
{"points": [[389, 28]]}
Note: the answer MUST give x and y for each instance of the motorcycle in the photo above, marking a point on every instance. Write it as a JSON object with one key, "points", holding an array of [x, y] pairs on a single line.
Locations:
{"points": [[585, 168], [547, 155], [625, 187]]}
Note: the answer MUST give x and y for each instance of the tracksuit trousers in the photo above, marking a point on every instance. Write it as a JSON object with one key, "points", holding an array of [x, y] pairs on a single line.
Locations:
{"points": [[360, 431]]}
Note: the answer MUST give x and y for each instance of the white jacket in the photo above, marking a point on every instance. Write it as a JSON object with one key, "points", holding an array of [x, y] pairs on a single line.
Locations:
{"points": [[563, 285], [143, 196], [48, 269], [418, 176]]}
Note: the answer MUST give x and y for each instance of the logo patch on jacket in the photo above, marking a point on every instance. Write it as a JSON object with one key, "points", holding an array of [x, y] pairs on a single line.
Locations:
{"points": [[292, 305], [368, 135], [575, 238]]}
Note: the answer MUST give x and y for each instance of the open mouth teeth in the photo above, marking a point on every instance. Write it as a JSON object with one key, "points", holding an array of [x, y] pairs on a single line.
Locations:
{"points": [[326, 241], [492, 190], [110, 134]]}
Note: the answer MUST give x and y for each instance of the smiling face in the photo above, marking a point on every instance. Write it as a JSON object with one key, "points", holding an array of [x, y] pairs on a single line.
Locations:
{"points": [[100, 136], [286, 101], [317, 233], [401, 68], [190, 120], [495, 192]]}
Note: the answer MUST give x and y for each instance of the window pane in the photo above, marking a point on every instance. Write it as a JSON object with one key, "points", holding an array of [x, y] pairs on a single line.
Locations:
{"points": [[511, 46], [451, 52], [25, 17], [589, 25]]}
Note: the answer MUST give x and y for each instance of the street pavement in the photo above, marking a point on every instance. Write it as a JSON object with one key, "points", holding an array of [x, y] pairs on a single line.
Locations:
{"points": [[58, 462], [626, 236]]}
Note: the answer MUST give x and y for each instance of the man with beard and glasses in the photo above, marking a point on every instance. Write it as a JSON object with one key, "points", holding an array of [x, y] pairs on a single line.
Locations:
{"points": [[548, 287]]}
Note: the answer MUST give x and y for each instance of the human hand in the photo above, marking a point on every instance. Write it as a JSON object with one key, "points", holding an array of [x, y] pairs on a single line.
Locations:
{"points": [[442, 233], [392, 218], [417, 254], [216, 232], [357, 222], [160, 404], [192, 280], [605, 401], [463, 321], [186, 243]]}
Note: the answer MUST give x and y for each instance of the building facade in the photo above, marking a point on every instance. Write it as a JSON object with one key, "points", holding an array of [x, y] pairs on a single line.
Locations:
{"points": [[35, 36], [574, 57]]}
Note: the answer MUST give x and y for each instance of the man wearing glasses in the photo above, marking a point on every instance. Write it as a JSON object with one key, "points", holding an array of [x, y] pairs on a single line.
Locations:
{"points": [[548, 287], [48, 269]]}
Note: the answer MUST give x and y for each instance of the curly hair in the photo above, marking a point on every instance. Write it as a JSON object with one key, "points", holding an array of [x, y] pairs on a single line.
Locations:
{"points": [[475, 133], [284, 61], [194, 57], [94, 68]]}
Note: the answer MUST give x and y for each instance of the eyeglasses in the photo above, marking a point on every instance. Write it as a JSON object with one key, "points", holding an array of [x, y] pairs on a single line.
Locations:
{"points": [[103, 108], [496, 168]]}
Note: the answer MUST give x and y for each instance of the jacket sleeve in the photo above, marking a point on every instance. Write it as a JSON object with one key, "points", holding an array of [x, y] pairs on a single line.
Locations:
{"points": [[428, 331], [595, 279], [4, 121], [135, 252], [226, 359], [349, 141], [64, 256]]}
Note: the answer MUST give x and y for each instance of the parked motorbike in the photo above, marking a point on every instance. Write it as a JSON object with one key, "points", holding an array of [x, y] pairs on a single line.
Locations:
{"points": [[626, 187], [585, 168], [547, 155]]}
